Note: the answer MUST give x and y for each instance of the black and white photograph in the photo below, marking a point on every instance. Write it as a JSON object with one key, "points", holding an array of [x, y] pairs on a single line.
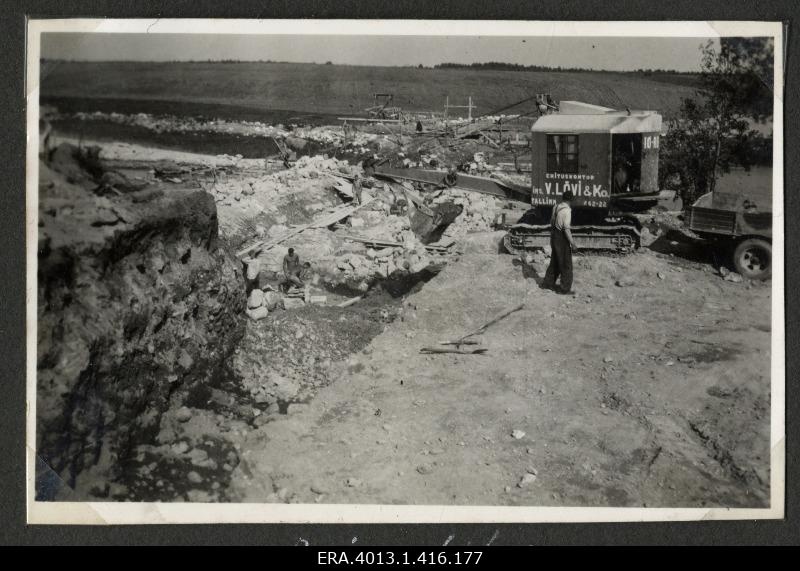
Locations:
{"points": [[309, 270]]}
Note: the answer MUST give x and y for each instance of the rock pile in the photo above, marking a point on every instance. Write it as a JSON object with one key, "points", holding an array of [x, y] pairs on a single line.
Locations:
{"points": [[285, 358], [479, 211], [260, 303], [383, 263]]}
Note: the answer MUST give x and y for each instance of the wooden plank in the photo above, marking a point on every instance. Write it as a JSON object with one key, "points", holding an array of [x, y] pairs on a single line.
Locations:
{"points": [[483, 327], [324, 221], [466, 182], [369, 120], [436, 350], [412, 196], [389, 244], [385, 243], [350, 301]]}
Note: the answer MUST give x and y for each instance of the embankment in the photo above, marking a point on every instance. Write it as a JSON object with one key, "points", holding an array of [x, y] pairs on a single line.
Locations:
{"points": [[137, 305]]}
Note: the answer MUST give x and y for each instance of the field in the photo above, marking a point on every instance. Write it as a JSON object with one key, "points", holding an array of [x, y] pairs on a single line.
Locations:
{"points": [[248, 90]]}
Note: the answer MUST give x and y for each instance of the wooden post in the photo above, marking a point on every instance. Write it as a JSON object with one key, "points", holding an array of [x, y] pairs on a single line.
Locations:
{"points": [[446, 110]]}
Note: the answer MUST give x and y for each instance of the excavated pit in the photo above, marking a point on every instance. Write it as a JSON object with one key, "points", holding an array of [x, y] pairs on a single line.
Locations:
{"points": [[194, 460], [298, 351]]}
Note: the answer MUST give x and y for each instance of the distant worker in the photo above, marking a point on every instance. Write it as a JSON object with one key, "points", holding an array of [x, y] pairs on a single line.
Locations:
{"points": [[357, 189], [292, 269], [561, 245], [451, 178], [419, 126], [252, 271]]}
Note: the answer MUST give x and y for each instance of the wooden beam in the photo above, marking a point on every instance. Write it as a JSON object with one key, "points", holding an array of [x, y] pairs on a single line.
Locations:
{"points": [[350, 301], [370, 120], [417, 200], [389, 243], [483, 327], [435, 350]]}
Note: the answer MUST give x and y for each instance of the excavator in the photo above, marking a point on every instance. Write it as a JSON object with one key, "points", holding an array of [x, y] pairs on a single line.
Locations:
{"points": [[609, 160], [607, 157]]}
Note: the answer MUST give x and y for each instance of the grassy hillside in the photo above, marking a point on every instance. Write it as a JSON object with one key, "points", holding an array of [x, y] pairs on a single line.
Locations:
{"points": [[335, 89]]}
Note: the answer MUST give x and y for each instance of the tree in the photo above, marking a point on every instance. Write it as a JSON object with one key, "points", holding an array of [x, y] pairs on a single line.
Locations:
{"points": [[712, 132]]}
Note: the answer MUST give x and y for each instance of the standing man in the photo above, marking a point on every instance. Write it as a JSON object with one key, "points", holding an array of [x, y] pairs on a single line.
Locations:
{"points": [[561, 246], [252, 271], [357, 188], [291, 269]]}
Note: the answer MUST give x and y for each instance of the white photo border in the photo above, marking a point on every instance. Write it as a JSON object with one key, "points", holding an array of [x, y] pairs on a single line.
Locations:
{"points": [[101, 513]]}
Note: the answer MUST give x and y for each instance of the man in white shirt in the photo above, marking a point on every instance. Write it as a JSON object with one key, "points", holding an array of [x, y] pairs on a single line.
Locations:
{"points": [[561, 246]]}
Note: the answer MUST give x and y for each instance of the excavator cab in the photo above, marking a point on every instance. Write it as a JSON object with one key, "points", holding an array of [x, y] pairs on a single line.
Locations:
{"points": [[609, 160]]}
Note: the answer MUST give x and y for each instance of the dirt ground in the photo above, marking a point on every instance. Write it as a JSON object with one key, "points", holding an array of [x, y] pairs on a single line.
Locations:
{"points": [[654, 394]]}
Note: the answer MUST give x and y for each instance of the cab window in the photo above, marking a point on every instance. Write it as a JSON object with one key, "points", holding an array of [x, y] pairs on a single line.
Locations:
{"points": [[562, 153]]}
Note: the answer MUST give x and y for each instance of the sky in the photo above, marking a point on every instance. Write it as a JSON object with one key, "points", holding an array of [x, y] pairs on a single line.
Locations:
{"points": [[605, 53]]}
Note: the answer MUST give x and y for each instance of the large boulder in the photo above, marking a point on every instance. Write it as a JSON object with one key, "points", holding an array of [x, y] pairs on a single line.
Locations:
{"points": [[272, 300], [258, 313], [256, 299]]}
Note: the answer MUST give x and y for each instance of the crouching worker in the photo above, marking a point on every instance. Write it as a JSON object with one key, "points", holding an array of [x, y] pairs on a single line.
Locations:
{"points": [[561, 245], [292, 269]]}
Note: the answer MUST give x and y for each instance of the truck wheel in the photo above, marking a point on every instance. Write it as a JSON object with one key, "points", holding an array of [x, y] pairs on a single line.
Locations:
{"points": [[753, 259]]}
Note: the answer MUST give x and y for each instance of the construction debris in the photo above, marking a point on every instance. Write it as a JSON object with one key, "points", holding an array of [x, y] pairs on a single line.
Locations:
{"points": [[319, 223]]}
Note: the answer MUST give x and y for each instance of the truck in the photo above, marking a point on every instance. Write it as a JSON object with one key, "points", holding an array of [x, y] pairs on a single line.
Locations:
{"points": [[608, 158], [737, 221]]}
